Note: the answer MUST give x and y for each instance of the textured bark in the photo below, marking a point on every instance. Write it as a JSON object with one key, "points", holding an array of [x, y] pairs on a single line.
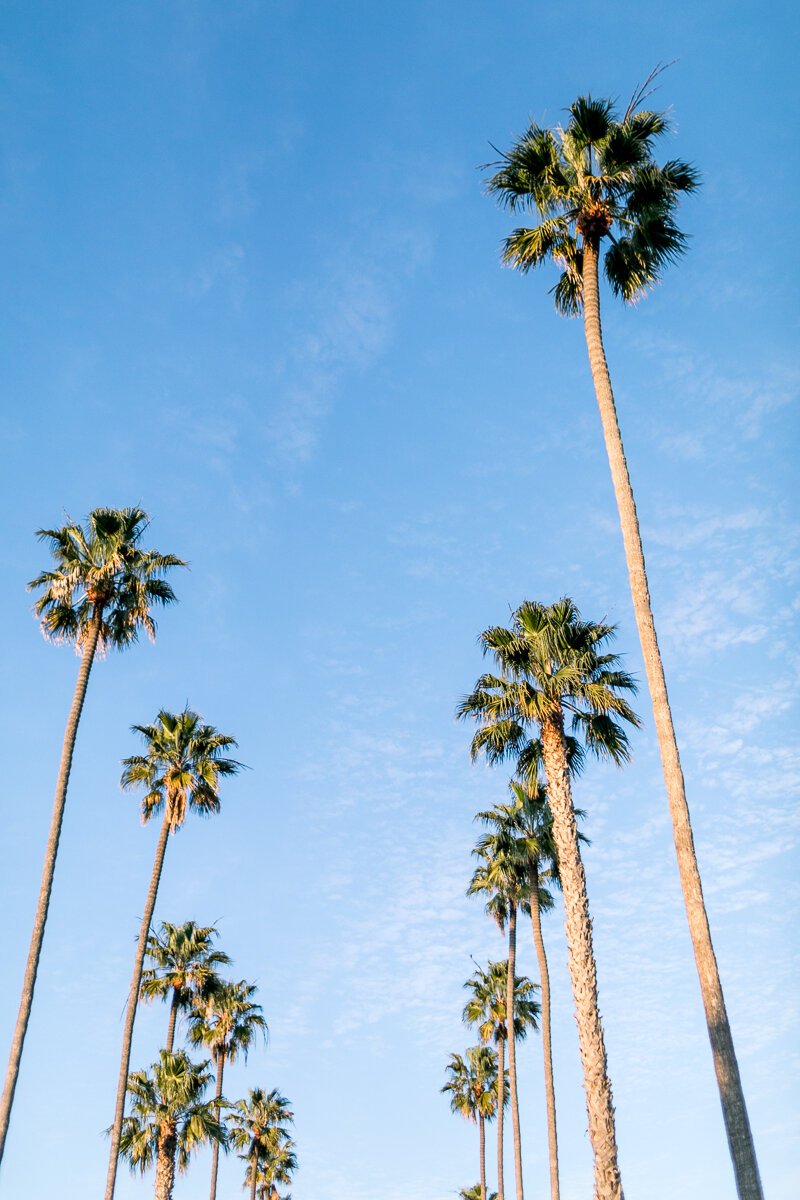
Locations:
{"points": [[220, 1065], [734, 1109], [482, 1152], [46, 886], [253, 1181], [165, 1165], [512, 1049], [173, 1016], [501, 1072], [130, 1012], [547, 1049], [582, 970]]}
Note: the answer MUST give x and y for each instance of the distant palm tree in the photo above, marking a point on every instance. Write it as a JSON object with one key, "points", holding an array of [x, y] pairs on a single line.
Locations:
{"points": [[474, 1193], [98, 596], [502, 875], [551, 663], [529, 823], [487, 1009], [184, 966], [258, 1130], [180, 769], [169, 1118], [596, 178], [472, 1085], [226, 1022]]}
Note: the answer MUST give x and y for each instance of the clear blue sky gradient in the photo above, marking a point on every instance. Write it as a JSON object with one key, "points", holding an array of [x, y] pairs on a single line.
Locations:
{"points": [[251, 282]]}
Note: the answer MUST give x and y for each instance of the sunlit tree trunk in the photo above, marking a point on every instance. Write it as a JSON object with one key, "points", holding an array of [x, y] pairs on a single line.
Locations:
{"points": [[482, 1152], [220, 1066], [512, 1050], [173, 1016], [165, 1166], [582, 970], [48, 871], [547, 1049], [734, 1109], [133, 1000], [501, 1095]]}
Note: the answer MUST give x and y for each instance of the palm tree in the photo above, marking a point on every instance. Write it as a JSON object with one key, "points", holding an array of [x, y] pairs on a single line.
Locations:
{"points": [[169, 1118], [474, 1193], [598, 178], [531, 822], [180, 769], [98, 596], [278, 1170], [487, 1008], [472, 1085], [258, 1131], [184, 965], [551, 663], [226, 1022], [502, 875]]}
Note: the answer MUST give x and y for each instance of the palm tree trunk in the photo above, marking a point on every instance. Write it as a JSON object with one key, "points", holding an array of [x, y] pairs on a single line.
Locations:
{"points": [[501, 1095], [734, 1109], [254, 1180], [582, 970], [173, 1015], [547, 1048], [220, 1065], [482, 1152], [46, 886], [133, 1000], [512, 1049], [165, 1166]]}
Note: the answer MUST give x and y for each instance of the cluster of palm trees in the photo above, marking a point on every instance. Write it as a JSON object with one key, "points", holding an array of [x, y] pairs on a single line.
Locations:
{"points": [[170, 1114], [98, 595], [600, 195]]}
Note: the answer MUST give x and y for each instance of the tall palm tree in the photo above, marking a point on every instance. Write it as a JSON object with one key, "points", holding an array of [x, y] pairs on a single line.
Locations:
{"points": [[180, 770], [472, 1085], [258, 1130], [487, 1008], [98, 596], [549, 664], [184, 966], [226, 1022], [169, 1118], [595, 179], [529, 823], [502, 875]]}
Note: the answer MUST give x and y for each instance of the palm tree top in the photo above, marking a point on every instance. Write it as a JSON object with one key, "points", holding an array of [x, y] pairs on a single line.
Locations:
{"points": [[101, 570], [182, 959], [550, 661], [486, 1006], [181, 767], [228, 1020], [595, 178], [472, 1083]]}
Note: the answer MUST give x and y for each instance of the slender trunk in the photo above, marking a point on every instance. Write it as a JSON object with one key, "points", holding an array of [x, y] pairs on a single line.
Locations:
{"points": [[582, 970], [734, 1109], [501, 1095], [46, 886], [482, 1151], [512, 1049], [547, 1049], [165, 1165], [173, 1015], [254, 1179], [220, 1065], [133, 1000]]}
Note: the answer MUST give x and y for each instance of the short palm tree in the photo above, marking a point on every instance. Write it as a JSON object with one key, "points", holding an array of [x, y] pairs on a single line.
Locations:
{"points": [[474, 1193], [487, 1009], [227, 1022], [597, 182], [98, 596], [472, 1086], [549, 664], [529, 823], [502, 876], [181, 769], [258, 1130], [169, 1118], [183, 966]]}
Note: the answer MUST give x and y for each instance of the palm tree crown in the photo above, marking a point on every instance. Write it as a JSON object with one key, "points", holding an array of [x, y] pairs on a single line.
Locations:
{"points": [[472, 1083], [181, 766], [258, 1130], [597, 177], [102, 572], [183, 965], [486, 1006], [228, 1020], [168, 1105]]}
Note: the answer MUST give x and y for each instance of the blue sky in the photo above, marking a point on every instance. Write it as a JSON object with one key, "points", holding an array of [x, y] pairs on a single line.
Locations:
{"points": [[251, 282]]}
